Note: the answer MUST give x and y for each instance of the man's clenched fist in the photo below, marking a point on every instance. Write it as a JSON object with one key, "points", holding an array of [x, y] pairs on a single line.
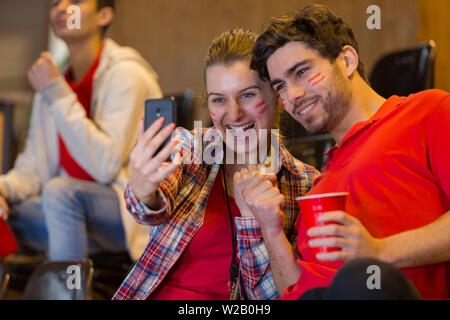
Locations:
{"points": [[43, 71]]}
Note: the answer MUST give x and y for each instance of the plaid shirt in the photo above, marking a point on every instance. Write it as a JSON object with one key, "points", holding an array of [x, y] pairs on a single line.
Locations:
{"points": [[184, 195]]}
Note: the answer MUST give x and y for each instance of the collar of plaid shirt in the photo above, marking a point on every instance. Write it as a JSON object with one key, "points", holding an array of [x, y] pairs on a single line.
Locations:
{"points": [[185, 194]]}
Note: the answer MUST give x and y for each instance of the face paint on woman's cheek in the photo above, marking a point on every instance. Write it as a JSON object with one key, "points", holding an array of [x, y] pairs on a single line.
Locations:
{"points": [[213, 115], [283, 102], [318, 78], [263, 105], [263, 110]]}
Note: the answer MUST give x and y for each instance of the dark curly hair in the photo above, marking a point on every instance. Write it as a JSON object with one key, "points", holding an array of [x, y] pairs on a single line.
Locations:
{"points": [[316, 26], [103, 4]]}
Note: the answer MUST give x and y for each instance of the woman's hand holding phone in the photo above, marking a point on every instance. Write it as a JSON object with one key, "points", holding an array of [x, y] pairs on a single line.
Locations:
{"points": [[146, 163]]}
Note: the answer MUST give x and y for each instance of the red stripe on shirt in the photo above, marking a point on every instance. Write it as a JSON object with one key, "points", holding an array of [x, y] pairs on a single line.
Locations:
{"points": [[83, 90]]}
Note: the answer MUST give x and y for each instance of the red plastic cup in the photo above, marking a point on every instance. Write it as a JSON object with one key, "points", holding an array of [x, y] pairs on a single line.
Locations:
{"points": [[313, 206]]}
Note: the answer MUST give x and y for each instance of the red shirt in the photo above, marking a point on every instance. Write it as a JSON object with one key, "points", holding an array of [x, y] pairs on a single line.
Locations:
{"points": [[396, 169], [202, 271], [83, 90]]}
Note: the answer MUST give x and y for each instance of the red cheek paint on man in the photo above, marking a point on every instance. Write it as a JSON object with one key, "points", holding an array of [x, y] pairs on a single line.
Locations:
{"points": [[316, 79]]}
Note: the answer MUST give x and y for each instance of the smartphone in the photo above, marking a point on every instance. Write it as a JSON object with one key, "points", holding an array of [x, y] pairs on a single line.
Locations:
{"points": [[157, 108]]}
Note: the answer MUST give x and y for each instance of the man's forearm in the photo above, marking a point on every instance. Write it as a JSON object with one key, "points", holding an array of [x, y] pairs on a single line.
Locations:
{"points": [[426, 245], [283, 261]]}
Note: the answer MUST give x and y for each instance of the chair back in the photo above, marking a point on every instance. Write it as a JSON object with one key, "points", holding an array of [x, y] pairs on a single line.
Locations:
{"points": [[61, 280], [184, 102], [309, 148], [404, 72], [110, 271], [4, 280], [7, 143]]}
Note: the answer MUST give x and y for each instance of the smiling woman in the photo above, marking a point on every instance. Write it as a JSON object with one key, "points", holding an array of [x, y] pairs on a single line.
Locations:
{"points": [[194, 209], [244, 107], [239, 100]]}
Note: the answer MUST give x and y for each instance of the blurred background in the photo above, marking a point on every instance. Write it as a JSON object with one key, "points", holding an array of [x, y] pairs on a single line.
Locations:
{"points": [[174, 36]]}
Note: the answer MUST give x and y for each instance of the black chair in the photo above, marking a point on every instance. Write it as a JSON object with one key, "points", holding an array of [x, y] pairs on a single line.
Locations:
{"points": [[4, 280], [8, 144], [22, 264], [61, 280], [184, 102], [109, 272], [404, 72], [309, 148]]}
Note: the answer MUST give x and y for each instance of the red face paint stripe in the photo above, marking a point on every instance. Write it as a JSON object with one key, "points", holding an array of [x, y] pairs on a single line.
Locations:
{"points": [[263, 109], [314, 77], [318, 81], [260, 104], [212, 113]]}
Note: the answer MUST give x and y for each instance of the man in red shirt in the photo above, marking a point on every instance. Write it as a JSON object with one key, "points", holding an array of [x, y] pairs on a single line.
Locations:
{"points": [[66, 187], [391, 157]]}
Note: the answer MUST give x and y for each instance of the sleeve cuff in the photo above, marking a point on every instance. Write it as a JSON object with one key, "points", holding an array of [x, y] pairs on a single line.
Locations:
{"points": [[4, 190], [55, 90], [140, 206], [247, 228]]}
